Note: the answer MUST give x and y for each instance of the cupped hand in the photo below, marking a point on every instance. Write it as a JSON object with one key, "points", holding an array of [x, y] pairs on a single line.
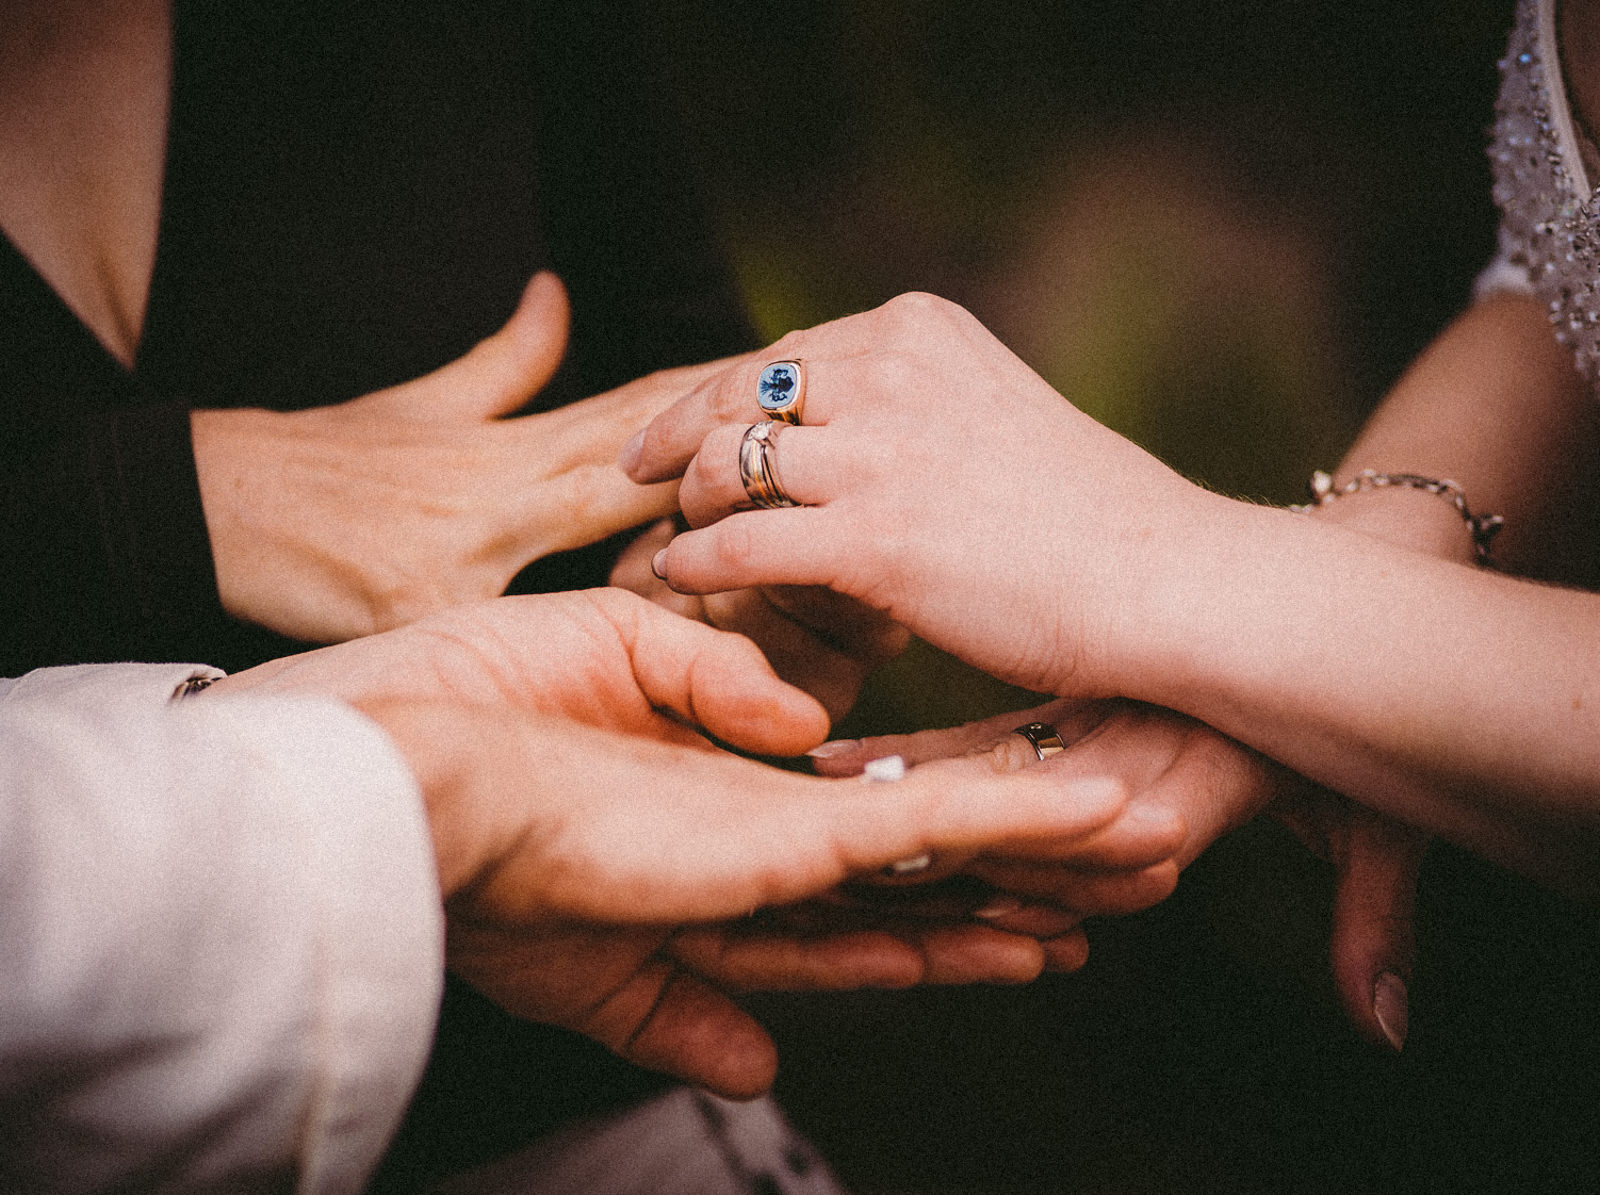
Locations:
{"points": [[816, 639], [599, 859], [335, 522], [1187, 786], [943, 482]]}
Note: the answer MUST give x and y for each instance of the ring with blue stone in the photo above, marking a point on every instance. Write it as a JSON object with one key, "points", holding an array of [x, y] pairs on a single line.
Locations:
{"points": [[781, 390]]}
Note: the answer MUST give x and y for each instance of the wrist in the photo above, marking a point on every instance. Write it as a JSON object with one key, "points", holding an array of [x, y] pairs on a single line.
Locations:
{"points": [[447, 746], [1168, 594], [1407, 515]]}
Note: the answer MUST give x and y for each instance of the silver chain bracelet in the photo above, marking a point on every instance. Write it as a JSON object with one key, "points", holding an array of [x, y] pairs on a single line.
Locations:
{"points": [[1482, 527]]}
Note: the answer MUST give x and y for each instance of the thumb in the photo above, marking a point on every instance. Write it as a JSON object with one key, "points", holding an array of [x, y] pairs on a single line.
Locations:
{"points": [[1373, 943], [503, 371], [713, 679]]}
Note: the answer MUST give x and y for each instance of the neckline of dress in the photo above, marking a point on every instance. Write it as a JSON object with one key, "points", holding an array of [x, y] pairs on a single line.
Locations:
{"points": [[1568, 138]]}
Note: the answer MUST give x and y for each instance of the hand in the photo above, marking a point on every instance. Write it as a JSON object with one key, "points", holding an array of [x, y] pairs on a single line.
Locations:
{"points": [[335, 522], [944, 484], [597, 857], [1187, 786], [815, 639]]}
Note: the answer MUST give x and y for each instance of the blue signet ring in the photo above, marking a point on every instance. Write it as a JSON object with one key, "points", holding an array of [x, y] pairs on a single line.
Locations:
{"points": [[781, 390]]}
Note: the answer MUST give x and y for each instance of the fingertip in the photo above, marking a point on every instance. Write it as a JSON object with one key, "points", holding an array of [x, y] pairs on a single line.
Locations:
{"points": [[1067, 953], [628, 461], [1391, 1007], [978, 954], [837, 758], [745, 1072], [544, 287], [765, 715]]}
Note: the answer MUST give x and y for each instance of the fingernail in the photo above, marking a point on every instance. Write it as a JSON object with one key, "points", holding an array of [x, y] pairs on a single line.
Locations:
{"points": [[834, 747], [1000, 906], [628, 458], [906, 867], [889, 768], [1392, 1008], [658, 565]]}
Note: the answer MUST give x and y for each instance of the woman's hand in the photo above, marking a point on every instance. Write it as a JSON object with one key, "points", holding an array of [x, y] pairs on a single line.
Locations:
{"points": [[817, 640], [944, 483], [598, 858], [335, 522], [1187, 786]]}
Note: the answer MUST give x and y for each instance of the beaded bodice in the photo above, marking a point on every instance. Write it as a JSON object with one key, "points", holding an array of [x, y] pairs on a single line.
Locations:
{"points": [[1550, 219]]}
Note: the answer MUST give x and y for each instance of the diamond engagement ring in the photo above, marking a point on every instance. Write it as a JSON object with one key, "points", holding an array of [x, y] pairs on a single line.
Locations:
{"points": [[781, 390]]}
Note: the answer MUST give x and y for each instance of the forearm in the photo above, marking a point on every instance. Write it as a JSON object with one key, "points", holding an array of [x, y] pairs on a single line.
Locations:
{"points": [[1458, 700], [1495, 405]]}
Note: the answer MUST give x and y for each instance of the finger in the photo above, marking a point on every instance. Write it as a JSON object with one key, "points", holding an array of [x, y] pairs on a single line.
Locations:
{"points": [[798, 545], [802, 655], [848, 626], [1089, 893], [632, 572], [1040, 921], [950, 806], [728, 398], [578, 506], [846, 757], [501, 372], [1067, 953], [591, 432], [962, 954], [743, 835], [713, 487], [714, 679], [754, 960], [671, 1021], [1374, 941]]}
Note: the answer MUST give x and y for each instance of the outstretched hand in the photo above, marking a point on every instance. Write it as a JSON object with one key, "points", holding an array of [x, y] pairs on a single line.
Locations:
{"points": [[1187, 786], [598, 858], [335, 522]]}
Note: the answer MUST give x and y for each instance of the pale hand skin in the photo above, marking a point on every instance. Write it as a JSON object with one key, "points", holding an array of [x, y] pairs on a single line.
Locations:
{"points": [[336, 522], [1495, 405], [598, 858], [815, 639], [1187, 786], [1458, 700]]}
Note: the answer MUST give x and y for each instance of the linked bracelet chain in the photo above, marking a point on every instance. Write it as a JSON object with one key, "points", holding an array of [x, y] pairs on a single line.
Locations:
{"points": [[1482, 527]]}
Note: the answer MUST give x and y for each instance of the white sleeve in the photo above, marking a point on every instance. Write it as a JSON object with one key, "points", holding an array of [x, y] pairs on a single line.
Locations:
{"points": [[221, 935]]}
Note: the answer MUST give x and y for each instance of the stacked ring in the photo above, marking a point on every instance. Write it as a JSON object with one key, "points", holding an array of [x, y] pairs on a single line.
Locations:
{"points": [[781, 391], [758, 467]]}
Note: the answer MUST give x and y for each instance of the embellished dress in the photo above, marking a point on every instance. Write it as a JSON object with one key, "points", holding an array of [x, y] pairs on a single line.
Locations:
{"points": [[1545, 171]]}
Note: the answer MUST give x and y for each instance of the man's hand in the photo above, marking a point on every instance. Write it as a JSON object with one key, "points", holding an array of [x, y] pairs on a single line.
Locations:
{"points": [[599, 859]]}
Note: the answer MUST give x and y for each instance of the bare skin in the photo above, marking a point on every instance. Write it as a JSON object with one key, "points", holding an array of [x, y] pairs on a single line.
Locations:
{"points": [[84, 86]]}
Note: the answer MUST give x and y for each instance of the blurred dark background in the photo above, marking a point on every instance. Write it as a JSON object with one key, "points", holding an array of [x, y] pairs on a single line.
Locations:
{"points": [[1223, 229]]}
